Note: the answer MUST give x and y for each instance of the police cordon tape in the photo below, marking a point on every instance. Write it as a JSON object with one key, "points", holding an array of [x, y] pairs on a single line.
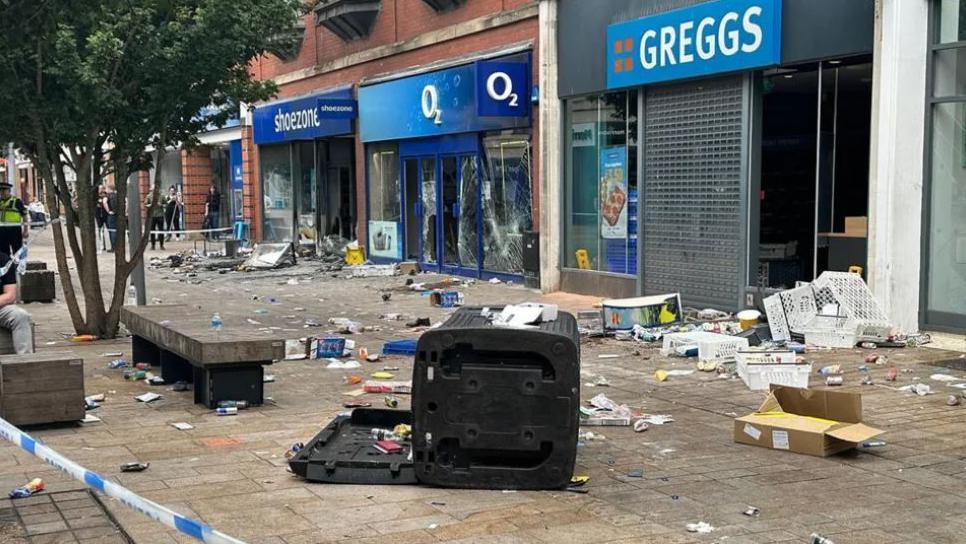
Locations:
{"points": [[182, 524]]}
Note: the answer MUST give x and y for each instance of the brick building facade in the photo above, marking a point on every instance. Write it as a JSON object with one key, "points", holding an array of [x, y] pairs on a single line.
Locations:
{"points": [[406, 37]]}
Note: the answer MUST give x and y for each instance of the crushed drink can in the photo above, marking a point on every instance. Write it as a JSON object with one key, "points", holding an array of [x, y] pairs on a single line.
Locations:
{"points": [[134, 467], [227, 411], [24, 491], [833, 380], [392, 401]]}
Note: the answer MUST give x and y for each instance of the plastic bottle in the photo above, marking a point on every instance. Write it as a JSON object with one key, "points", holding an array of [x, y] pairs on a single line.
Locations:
{"points": [[132, 295], [216, 322]]}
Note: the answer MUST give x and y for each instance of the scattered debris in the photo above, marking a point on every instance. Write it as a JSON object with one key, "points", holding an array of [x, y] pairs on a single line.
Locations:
{"points": [[752, 511], [118, 363], [635, 473], [819, 539], [650, 311], [834, 380], [342, 365], [657, 419], [700, 527], [640, 426], [134, 467], [943, 378], [148, 397], [182, 426], [267, 256], [589, 436], [920, 389], [33, 486], [952, 400]]}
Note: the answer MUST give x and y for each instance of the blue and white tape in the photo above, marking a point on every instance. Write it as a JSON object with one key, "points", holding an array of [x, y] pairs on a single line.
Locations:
{"points": [[188, 526]]}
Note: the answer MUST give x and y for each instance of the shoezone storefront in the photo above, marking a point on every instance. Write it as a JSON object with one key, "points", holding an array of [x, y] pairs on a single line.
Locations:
{"points": [[306, 157], [448, 160], [715, 149]]}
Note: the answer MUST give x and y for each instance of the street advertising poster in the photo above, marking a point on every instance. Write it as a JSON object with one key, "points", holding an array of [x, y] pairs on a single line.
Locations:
{"points": [[613, 192], [384, 239]]}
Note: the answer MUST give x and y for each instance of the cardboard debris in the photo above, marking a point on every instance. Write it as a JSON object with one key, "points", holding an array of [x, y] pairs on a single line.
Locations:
{"points": [[820, 423]]}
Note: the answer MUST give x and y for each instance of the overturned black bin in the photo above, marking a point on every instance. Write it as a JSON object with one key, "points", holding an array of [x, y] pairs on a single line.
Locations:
{"points": [[494, 407]]}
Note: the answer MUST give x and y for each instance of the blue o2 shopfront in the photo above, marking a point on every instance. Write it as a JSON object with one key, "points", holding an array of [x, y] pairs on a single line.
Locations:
{"points": [[306, 156], [448, 159]]}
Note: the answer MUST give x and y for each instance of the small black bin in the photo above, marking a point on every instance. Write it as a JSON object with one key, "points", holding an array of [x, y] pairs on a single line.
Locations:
{"points": [[496, 408]]}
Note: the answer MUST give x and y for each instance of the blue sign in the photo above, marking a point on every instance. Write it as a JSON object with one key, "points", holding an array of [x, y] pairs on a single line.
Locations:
{"points": [[711, 38], [501, 89], [237, 180], [447, 102], [316, 116]]}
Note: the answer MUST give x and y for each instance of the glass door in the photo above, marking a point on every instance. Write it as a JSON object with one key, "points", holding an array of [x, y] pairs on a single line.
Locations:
{"points": [[428, 212], [308, 197]]}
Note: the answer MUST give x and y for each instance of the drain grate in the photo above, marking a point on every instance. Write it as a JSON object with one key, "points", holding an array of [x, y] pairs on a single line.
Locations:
{"points": [[69, 516]]}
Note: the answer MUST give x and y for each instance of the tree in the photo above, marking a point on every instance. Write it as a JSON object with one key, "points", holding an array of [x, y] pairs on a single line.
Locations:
{"points": [[87, 86]]}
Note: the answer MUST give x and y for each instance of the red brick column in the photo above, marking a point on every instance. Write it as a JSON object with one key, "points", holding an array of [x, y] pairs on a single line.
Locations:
{"points": [[361, 203], [196, 175], [252, 187], [144, 186]]}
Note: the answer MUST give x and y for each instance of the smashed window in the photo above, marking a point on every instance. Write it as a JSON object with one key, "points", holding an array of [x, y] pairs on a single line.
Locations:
{"points": [[507, 201]]}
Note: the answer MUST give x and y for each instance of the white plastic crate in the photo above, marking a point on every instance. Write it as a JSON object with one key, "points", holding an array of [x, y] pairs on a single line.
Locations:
{"points": [[799, 306], [776, 318], [762, 356], [719, 348], [831, 331], [759, 376]]}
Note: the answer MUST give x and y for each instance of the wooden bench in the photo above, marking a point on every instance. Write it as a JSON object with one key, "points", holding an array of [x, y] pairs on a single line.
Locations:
{"points": [[222, 365], [42, 388]]}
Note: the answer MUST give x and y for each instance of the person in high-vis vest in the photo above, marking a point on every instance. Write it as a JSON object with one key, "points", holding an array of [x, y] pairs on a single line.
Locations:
{"points": [[14, 221]]}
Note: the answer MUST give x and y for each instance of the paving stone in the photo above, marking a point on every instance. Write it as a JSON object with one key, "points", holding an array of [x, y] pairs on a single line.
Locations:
{"points": [[47, 527]]}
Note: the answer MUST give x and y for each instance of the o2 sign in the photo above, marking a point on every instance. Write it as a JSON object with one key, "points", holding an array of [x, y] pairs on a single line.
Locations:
{"points": [[502, 89], [430, 104]]}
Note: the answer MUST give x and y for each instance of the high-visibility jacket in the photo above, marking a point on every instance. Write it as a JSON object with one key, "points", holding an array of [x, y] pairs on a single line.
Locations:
{"points": [[9, 213]]}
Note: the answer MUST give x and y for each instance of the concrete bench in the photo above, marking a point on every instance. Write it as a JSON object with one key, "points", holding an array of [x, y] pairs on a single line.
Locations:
{"points": [[222, 365]]}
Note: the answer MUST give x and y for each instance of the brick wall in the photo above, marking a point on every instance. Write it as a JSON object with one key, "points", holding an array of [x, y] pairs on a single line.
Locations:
{"points": [[252, 191], [196, 175]]}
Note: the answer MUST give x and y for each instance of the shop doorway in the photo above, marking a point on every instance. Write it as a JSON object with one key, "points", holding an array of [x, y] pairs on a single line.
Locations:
{"points": [[441, 202], [812, 203]]}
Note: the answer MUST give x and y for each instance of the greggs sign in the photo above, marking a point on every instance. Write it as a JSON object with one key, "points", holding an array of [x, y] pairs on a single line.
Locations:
{"points": [[705, 39]]}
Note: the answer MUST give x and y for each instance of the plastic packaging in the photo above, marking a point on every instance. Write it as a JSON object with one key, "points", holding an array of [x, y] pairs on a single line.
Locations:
{"points": [[382, 387], [118, 363], [24, 491], [239, 404], [216, 322]]}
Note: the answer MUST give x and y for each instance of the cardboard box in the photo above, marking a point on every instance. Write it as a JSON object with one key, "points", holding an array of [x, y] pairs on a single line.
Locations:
{"points": [[856, 226], [813, 422]]}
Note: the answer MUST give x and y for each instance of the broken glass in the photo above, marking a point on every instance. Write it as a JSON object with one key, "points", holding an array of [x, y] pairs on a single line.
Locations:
{"points": [[428, 169], [507, 201], [468, 236]]}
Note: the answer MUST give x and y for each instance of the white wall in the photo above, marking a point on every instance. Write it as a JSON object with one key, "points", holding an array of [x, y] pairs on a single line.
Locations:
{"points": [[896, 170], [550, 146]]}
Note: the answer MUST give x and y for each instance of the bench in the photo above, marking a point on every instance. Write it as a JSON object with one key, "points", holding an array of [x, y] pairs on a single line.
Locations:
{"points": [[222, 365]]}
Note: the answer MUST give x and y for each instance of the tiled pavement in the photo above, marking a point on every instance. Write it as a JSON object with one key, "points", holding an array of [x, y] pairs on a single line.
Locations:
{"points": [[230, 471], [56, 518]]}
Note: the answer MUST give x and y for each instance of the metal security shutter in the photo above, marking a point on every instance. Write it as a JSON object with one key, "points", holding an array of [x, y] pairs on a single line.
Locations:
{"points": [[693, 213]]}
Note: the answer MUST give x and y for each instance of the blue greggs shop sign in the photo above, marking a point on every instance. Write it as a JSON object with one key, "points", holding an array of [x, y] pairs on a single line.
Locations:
{"points": [[711, 38], [486, 95], [316, 116]]}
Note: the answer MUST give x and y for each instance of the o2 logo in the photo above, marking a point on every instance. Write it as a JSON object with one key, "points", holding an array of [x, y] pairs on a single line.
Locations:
{"points": [[430, 104], [506, 95], [502, 89]]}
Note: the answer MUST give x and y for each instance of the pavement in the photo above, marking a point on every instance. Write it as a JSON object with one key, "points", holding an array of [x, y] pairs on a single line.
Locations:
{"points": [[231, 472]]}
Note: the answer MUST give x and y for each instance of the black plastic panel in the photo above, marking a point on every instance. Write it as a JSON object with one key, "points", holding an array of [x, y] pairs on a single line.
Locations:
{"points": [[343, 454], [496, 408]]}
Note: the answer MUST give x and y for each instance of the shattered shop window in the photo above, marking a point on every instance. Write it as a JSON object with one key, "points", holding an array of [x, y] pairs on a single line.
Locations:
{"points": [[384, 197], [600, 191], [507, 201]]}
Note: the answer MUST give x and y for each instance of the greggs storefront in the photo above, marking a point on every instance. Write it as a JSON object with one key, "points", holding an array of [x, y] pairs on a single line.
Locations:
{"points": [[717, 149]]}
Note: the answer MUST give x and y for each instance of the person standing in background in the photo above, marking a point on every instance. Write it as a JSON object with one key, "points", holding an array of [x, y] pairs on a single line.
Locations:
{"points": [[15, 220], [212, 211], [170, 207], [100, 216], [109, 203], [156, 221]]}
